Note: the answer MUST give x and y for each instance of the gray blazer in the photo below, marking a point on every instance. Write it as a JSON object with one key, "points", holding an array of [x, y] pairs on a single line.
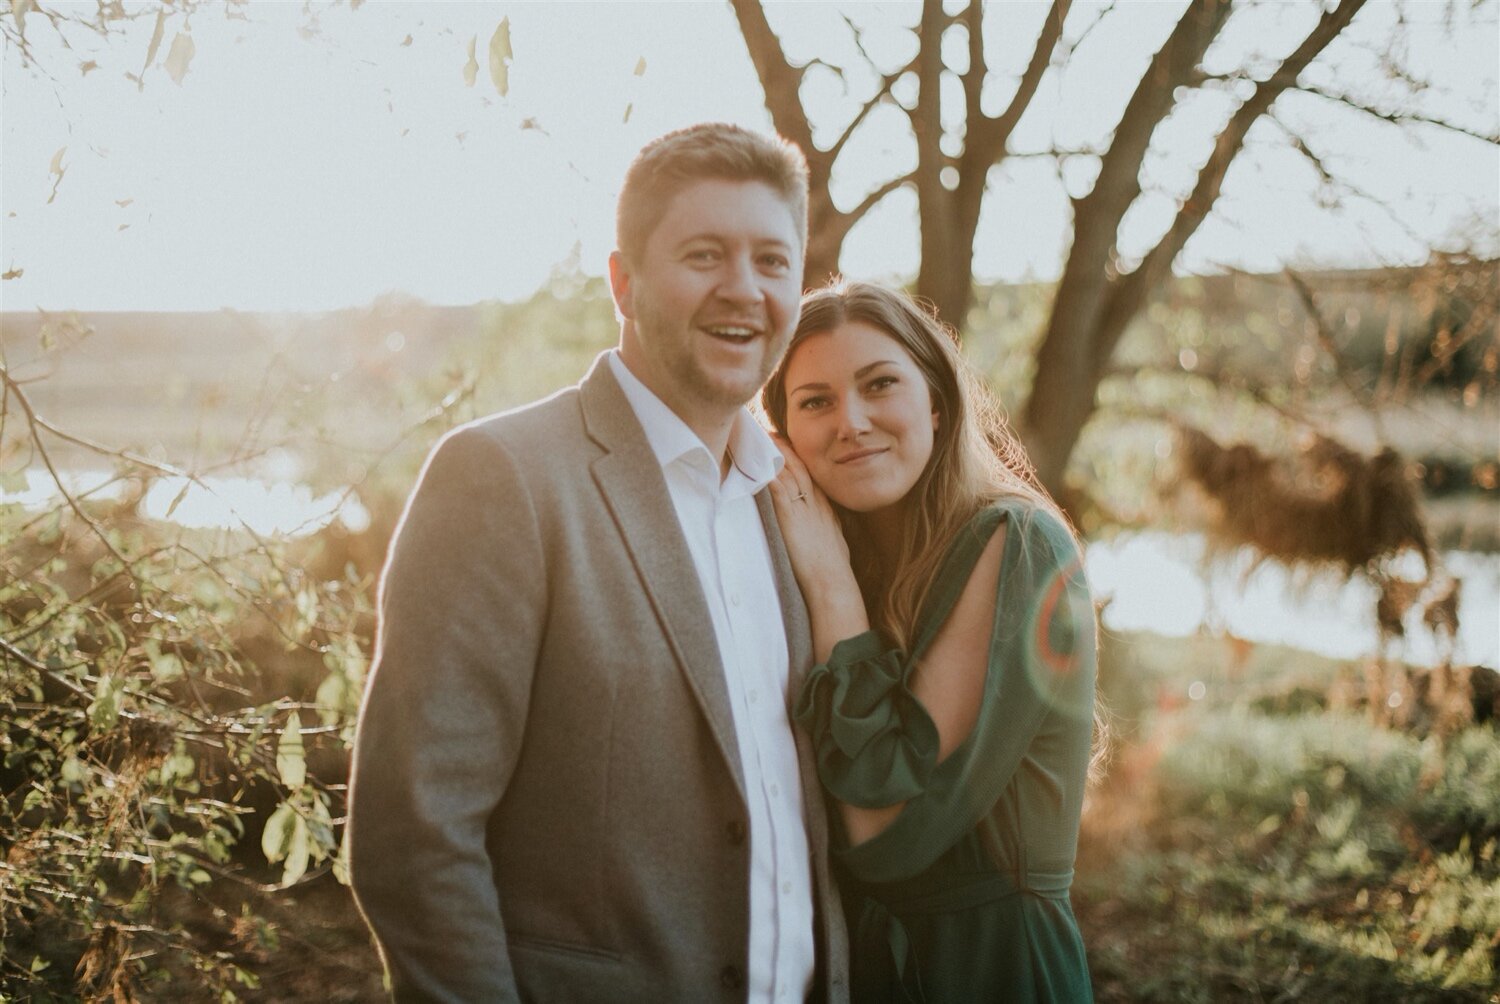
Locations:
{"points": [[547, 802]]}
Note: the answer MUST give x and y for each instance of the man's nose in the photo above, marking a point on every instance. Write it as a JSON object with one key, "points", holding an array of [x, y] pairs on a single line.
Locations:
{"points": [[741, 283]]}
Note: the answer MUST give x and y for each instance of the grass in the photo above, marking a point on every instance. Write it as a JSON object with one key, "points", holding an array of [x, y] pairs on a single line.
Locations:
{"points": [[1254, 849]]}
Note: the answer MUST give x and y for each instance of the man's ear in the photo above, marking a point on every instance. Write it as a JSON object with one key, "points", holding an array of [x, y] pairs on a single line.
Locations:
{"points": [[619, 285]]}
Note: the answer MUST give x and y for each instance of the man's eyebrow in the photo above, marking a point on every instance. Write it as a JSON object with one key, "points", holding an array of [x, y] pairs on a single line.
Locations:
{"points": [[718, 238], [858, 374]]}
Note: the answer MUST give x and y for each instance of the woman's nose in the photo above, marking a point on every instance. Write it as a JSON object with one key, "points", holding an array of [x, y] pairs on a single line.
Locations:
{"points": [[853, 418]]}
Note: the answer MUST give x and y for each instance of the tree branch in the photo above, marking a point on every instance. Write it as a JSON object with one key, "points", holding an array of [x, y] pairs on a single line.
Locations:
{"points": [[1399, 118], [886, 83], [869, 201], [1130, 292], [780, 80], [987, 136], [973, 19]]}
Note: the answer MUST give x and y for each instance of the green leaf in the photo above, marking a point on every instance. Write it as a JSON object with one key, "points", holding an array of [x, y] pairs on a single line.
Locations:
{"points": [[276, 838], [341, 861], [297, 852], [166, 667], [500, 57], [74, 772], [307, 610], [291, 762], [334, 698], [105, 709]]}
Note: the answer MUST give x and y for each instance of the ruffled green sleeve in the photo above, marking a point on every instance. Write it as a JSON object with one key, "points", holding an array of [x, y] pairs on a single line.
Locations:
{"points": [[876, 745], [1037, 708]]}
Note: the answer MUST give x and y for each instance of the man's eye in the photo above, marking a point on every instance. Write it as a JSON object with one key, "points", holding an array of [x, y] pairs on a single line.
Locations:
{"points": [[704, 255], [776, 262]]}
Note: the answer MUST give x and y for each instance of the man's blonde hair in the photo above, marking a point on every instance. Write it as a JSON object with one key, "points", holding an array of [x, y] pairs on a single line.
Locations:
{"points": [[709, 150]]}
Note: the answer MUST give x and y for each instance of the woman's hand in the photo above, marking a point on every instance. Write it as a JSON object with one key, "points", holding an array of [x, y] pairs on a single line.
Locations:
{"points": [[820, 555]]}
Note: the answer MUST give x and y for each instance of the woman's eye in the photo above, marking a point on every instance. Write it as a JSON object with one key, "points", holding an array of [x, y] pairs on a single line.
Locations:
{"points": [[812, 403], [882, 382], [703, 255]]}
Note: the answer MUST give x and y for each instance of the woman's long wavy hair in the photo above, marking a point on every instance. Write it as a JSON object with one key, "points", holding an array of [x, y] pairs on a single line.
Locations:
{"points": [[975, 456], [976, 459]]}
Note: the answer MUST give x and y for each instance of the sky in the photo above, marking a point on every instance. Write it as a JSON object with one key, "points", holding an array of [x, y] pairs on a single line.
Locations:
{"points": [[310, 157]]}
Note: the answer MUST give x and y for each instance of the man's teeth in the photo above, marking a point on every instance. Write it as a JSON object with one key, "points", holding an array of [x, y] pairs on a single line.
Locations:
{"points": [[725, 331]]}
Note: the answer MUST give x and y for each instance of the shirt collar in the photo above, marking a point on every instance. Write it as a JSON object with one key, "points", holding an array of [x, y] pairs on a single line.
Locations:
{"points": [[756, 458]]}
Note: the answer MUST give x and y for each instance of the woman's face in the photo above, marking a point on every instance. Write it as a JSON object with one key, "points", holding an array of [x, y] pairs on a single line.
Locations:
{"points": [[860, 415]]}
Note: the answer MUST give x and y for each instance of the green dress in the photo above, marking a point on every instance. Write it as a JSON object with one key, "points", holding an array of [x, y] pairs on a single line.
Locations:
{"points": [[964, 897]]}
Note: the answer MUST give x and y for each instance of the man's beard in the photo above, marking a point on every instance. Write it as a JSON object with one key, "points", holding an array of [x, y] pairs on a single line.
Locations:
{"points": [[675, 353]]}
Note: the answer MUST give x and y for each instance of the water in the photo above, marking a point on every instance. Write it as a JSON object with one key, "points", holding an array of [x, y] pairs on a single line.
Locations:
{"points": [[1159, 582], [1154, 581]]}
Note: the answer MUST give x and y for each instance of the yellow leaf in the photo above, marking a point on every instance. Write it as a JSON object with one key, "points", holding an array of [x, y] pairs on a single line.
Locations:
{"points": [[14, 273], [640, 67], [180, 55], [628, 108], [471, 68], [85, 68], [57, 171], [161, 25], [18, 11], [500, 57]]}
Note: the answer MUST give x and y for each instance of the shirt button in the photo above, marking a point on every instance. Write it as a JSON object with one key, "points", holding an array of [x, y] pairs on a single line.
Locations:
{"points": [[734, 598], [775, 790], [786, 888], [753, 695], [731, 977]]}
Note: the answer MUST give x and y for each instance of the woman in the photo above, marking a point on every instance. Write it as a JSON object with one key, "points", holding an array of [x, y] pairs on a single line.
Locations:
{"points": [[952, 706]]}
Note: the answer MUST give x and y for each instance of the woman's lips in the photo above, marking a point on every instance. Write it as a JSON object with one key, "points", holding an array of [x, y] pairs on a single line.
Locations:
{"points": [[858, 455]]}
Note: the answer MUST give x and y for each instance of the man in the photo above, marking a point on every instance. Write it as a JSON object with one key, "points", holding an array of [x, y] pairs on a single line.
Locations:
{"points": [[575, 777]]}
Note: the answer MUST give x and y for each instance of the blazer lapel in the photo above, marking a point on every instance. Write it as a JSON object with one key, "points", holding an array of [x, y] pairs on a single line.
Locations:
{"points": [[630, 479]]}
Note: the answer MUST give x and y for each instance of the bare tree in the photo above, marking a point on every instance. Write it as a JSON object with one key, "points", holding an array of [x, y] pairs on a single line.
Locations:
{"points": [[1100, 291]]}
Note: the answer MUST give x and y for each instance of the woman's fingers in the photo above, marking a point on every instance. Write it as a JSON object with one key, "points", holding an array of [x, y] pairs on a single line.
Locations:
{"points": [[794, 471]]}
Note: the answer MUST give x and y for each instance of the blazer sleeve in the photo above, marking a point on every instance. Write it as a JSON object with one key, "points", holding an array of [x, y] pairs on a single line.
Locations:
{"points": [[462, 609]]}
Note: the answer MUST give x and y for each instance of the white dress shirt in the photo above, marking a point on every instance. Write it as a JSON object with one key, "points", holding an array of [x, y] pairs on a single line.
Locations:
{"points": [[733, 562]]}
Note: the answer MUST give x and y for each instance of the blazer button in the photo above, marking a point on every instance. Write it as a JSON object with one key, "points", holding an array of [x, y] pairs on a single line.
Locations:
{"points": [[731, 977], [736, 832]]}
